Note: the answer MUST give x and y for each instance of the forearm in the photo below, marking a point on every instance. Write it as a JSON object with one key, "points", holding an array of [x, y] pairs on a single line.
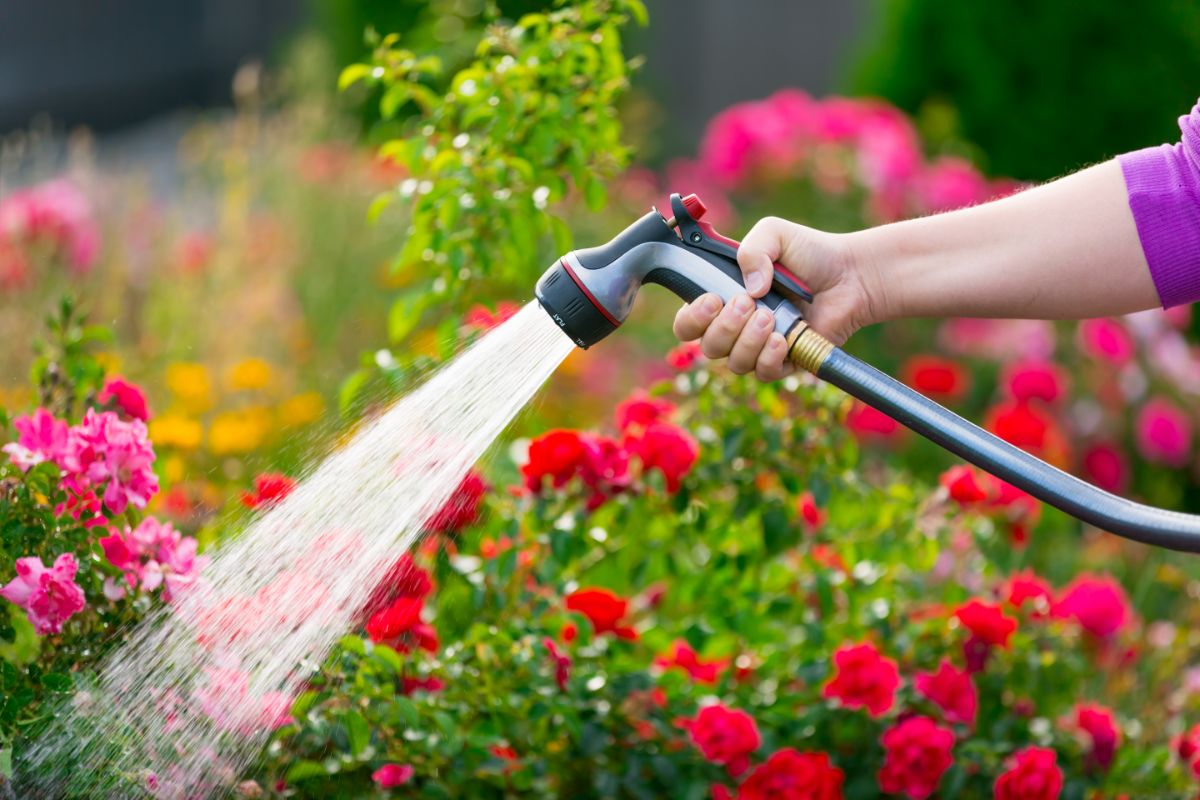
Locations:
{"points": [[1068, 249]]}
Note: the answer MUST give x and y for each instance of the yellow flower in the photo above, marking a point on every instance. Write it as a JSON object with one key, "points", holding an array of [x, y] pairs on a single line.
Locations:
{"points": [[173, 469], [249, 373], [301, 410], [110, 361], [191, 383], [17, 397], [237, 432], [176, 430]]}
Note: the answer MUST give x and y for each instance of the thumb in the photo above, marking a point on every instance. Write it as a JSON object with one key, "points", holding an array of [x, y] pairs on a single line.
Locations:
{"points": [[764, 245]]}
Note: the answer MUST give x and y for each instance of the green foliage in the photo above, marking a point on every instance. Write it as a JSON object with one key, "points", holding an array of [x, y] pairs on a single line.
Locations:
{"points": [[531, 118], [1041, 88]]}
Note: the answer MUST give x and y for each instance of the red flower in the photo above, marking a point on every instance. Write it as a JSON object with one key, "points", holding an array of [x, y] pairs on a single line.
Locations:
{"points": [[966, 485], [1106, 466], [562, 663], [481, 318], [461, 508], [810, 513], [1188, 748], [863, 678], [939, 378], [725, 736], [429, 684], [1034, 380], [789, 773], [1027, 586], [269, 489], [685, 356], [916, 754], [1100, 726], [682, 656], [604, 609], [1021, 424], [667, 448], [952, 690], [1097, 602], [403, 579], [640, 410], [867, 423], [1033, 774], [986, 622], [390, 776], [557, 455], [126, 396], [399, 618]]}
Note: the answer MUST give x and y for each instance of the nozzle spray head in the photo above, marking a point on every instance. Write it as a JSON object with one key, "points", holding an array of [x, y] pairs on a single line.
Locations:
{"points": [[590, 292]]}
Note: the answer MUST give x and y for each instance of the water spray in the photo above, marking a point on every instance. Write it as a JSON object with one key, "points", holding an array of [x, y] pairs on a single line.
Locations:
{"points": [[590, 292]]}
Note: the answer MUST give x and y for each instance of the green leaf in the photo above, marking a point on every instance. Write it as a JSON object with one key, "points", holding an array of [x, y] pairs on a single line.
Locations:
{"points": [[379, 205], [358, 732], [405, 314], [303, 703], [777, 530], [58, 682], [407, 711], [25, 644], [396, 96], [305, 770], [348, 393], [352, 75]]}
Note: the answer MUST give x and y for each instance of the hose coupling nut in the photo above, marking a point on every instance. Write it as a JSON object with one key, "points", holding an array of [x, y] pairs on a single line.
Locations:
{"points": [[807, 349]]}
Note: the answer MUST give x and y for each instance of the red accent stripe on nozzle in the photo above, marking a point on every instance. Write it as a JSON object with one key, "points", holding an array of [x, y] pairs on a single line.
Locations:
{"points": [[588, 294]]}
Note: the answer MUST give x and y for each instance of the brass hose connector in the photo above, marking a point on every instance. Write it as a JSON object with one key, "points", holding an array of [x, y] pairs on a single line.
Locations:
{"points": [[807, 349]]}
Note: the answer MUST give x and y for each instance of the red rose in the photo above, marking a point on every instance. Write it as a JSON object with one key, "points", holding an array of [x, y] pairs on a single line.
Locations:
{"points": [[810, 513], [604, 609], [1034, 380], [126, 396], [986, 622], [556, 455], [461, 508], [1029, 427], [966, 485], [863, 678], [481, 318], [399, 626], [403, 579], [640, 410], [390, 776], [1188, 748], [867, 423], [667, 448], [952, 690], [917, 752], [685, 356], [792, 774], [725, 736], [1097, 602], [682, 656], [1033, 774], [269, 489], [1101, 728], [430, 684], [1027, 586], [936, 377]]}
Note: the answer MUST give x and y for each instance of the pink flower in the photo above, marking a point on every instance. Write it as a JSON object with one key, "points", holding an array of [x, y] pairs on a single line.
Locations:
{"points": [[48, 596], [863, 678], [1098, 603], [1098, 723], [389, 776], [1033, 774], [103, 450], [1028, 586], [1035, 380], [950, 183], [154, 555], [54, 213], [1164, 433], [1106, 339], [226, 699], [126, 396], [41, 437], [952, 690], [561, 661], [1105, 465]]}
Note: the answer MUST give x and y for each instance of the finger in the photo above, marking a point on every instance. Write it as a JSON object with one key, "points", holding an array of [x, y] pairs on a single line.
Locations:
{"points": [[693, 319], [719, 338], [759, 251], [749, 344], [771, 366]]}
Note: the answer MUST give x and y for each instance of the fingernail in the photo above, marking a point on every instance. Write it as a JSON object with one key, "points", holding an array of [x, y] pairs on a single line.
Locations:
{"points": [[743, 304], [762, 319], [711, 303], [754, 282]]}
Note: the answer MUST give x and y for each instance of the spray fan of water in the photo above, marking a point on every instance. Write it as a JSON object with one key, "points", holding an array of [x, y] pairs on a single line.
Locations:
{"points": [[183, 706]]}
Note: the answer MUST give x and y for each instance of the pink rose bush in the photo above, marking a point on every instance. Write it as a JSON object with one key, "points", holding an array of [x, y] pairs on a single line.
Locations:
{"points": [[48, 595], [54, 218]]}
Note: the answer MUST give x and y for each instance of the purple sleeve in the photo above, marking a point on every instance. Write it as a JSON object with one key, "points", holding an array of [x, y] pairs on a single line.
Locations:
{"points": [[1164, 194]]}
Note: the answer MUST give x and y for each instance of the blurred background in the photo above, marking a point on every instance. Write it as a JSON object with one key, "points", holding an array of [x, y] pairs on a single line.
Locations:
{"points": [[192, 173]]}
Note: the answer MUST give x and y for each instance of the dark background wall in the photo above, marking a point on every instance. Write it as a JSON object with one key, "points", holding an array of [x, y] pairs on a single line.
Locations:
{"points": [[115, 63]]}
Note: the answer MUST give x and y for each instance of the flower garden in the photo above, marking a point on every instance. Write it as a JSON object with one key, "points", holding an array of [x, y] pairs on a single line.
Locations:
{"points": [[666, 580]]}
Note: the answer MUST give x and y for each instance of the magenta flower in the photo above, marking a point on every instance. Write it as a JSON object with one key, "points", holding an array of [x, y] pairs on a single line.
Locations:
{"points": [[1164, 433], [55, 213], [48, 596], [41, 438], [950, 183], [153, 555], [1106, 339], [127, 397], [390, 776], [106, 451]]}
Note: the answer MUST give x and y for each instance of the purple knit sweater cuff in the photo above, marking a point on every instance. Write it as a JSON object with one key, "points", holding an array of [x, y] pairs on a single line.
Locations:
{"points": [[1163, 184]]}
